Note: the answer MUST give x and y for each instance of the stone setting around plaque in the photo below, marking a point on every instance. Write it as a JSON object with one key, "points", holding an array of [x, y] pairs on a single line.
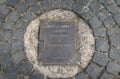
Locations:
{"points": [[57, 42]]}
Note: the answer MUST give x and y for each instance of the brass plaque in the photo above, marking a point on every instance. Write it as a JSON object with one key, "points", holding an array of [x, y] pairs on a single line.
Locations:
{"points": [[57, 42]]}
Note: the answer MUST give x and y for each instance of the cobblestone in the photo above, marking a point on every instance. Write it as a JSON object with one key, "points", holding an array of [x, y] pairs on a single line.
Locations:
{"points": [[107, 76], [9, 25], [2, 76], [118, 2], [36, 75], [45, 5], [2, 1], [117, 18], [93, 70], [12, 3], [66, 4], [4, 10], [28, 16], [17, 45], [5, 36], [114, 30], [18, 34], [36, 9], [81, 76], [106, 2], [2, 19], [101, 32], [31, 2], [54, 4]]}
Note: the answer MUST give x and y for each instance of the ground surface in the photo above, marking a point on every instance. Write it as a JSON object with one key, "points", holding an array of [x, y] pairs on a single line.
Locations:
{"points": [[103, 16]]}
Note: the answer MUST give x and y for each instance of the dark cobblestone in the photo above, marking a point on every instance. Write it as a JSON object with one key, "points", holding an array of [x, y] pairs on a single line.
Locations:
{"points": [[93, 70], [5, 35], [18, 57], [106, 2], [108, 22], [4, 10], [114, 30], [117, 18], [102, 45], [12, 73], [21, 7], [66, 4], [45, 5], [115, 40], [54, 4], [12, 3], [86, 2], [36, 9], [28, 16], [2, 19], [107, 76], [36, 75], [113, 8], [14, 16], [100, 59], [115, 54], [9, 25], [100, 32], [95, 22], [95, 6], [17, 45], [31, 2], [113, 68], [81, 76], [25, 68], [118, 2], [18, 34]]}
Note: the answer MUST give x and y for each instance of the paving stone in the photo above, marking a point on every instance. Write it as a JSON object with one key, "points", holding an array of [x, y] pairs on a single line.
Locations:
{"points": [[117, 18], [100, 32], [16, 46], [106, 2], [2, 75], [95, 6], [113, 68], [18, 57], [12, 73], [103, 14], [2, 1], [108, 22], [54, 4], [21, 77], [22, 24], [78, 7], [100, 59], [107, 76], [12, 3], [115, 54], [102, 45], [31, 2], [5, 36], [9, 25], [45, 5], [81, 76], [25, 68], [28, 16], [113, 8], [18, 34], [95, 22], [36, 75], [4, 10], [93, 70], [36, 9], [21, 7], [5, 48], [115, 40], [114, 30], [66, 4], [14, 16], [85, 1], [118, 2], [2, 19]]}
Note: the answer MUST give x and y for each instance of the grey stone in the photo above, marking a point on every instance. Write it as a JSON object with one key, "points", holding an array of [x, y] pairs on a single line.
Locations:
{"points": [[66, 4], [95, 6], [2, 75], [5, 48], [4, 10], [2, 1], [95, 22], [81, 76], [85, 1], [117, 18], [36, 9], [18, 34], [45, 5], [9, 25], [21, 77], [113, 68], [93, 70], [21, 7], [100, 59], [28, 16], [17, 45], [107, 76], [100, 32], [25, 68], [106, 2], [18, 57], [102, 45], [78, 7], [115, 54], [2, 19], [14, 16], [115, 40], [108, 22], [114, 30], [5, 36], [22, 24], [113, 8], [118, 2], [12, 3], [31, 2], [54, 4], [36, 75], [12, 73]]}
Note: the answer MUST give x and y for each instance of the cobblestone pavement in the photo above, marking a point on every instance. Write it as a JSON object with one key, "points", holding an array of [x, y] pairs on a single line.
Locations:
{"points": [[103, 16]]}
